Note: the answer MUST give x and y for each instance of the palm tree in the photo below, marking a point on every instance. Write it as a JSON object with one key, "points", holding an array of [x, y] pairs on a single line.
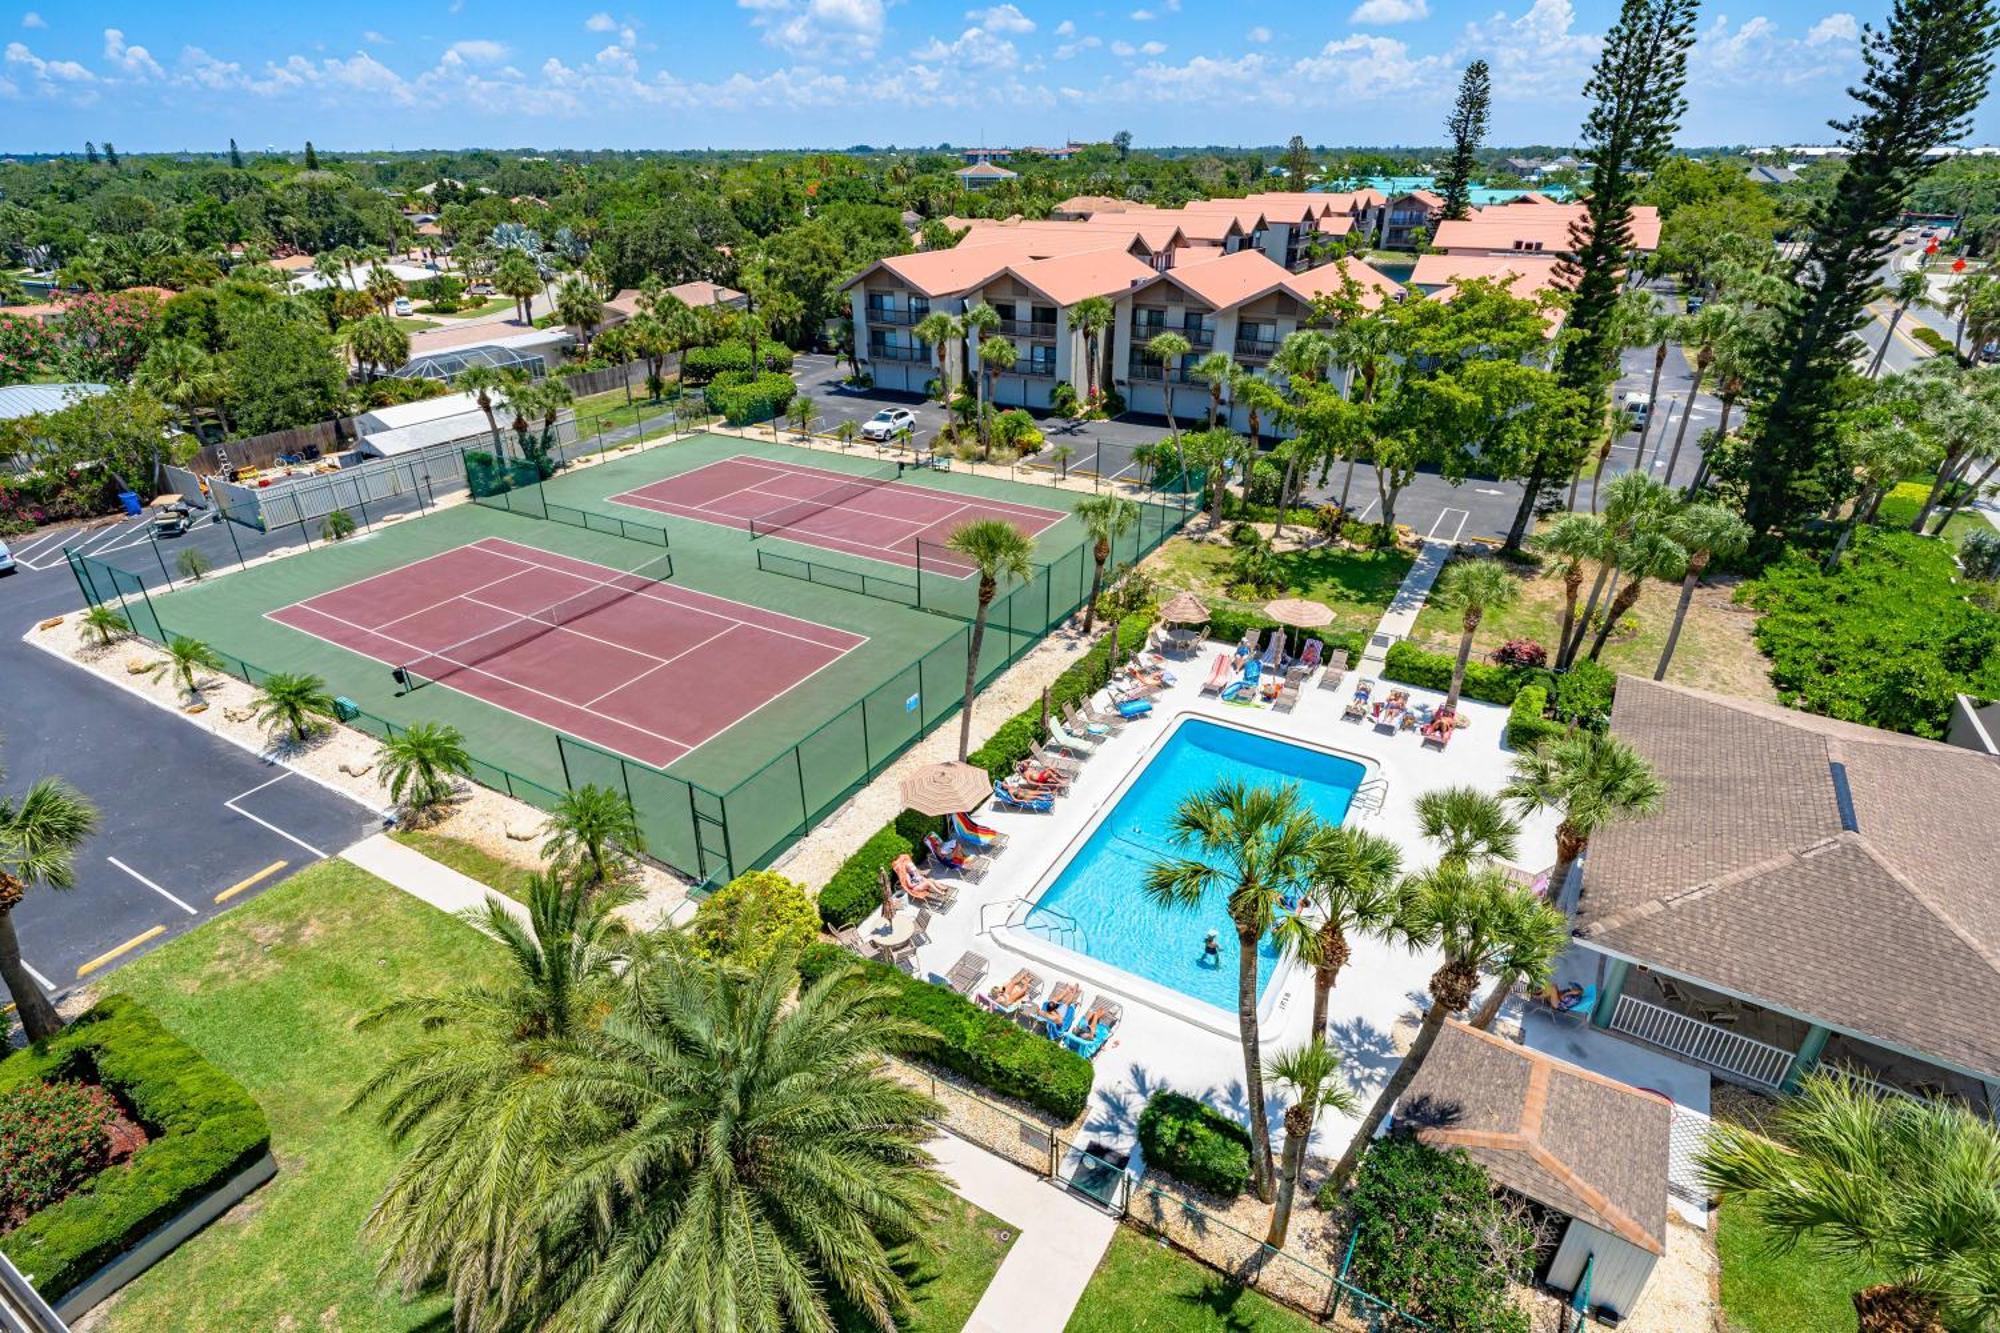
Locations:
{"points": [[1662, 333], [1105, 519], [467, 1095], [419, 762], [980, 320], [377, 343], [591, 830], [1653, 555], [383, 288], [1704, 531], [1218, 371], [296, 701], [1254, 846], [1262, 400], [1539, 934], [1880, 453], [1634, 323], [1703, 331], [1899, 1188], [180, 372], [482, 382], [1632, 501], [1910, 288], [1168, 348], [1091, 317], [39, 834], [1352, 892], [579, 307], [1478, 920], [1312, 1072], [107, 625], [1467, 824], [997, 550], [939, 332], [186, 657], [1570, 540], [1472, 588], [1593, 780], [517, 277], [997, 356]]}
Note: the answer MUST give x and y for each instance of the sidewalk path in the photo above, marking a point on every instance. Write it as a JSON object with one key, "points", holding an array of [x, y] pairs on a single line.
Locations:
{"points": [[1060, 1243], [420, 877], [1401, 617]]}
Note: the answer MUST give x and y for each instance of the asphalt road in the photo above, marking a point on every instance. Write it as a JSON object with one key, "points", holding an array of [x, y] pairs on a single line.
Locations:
{"points": [[192, 824]]}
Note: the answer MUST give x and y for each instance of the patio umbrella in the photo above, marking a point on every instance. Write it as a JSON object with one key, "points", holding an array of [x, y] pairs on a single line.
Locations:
{"points": [[946, 788], [1298, 612], [1184, 609]]}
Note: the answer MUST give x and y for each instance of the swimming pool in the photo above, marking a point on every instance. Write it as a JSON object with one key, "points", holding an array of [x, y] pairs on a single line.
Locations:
{"points": [[1096, 904]]}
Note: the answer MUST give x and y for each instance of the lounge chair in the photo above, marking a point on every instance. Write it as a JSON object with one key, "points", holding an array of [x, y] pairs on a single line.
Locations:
{"points": [[969, 832], [1248, 643], [1336, 670], [1040, 805], [1066, 739], [1120, 712], [1036, 775], [966, 973], [1108, 1015], [1010, 995], [1438, 730], [1571, 1010], [1081, 725], [1047, 758], [952, 859], [1247, 685], [1309, 659], [1288, 697], [1220, 674]]}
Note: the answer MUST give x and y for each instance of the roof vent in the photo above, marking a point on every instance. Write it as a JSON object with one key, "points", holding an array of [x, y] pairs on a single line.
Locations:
{"points": [[1843, 796]]}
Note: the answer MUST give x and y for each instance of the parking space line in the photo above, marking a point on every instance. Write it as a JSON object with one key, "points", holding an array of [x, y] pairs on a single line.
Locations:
{"points": [[36, 545], [230, 804], [1362, 517], [243, 884], [40, 980], [108, 955], [154, 887], [1464, 516]]}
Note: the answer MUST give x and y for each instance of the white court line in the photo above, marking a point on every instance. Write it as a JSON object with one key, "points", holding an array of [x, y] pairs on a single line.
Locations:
{"points": [[154, 887], [40, 980], [231, 805], [1464, 516], [659, 662], [796, 468]]}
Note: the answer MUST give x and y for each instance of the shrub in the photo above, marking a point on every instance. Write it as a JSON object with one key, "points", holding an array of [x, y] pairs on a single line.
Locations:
{"points": [[743, 399], [1194, 1143], [337, 526], [1521, 653], [192, 564], [1111, 403], [980, 1045], [1583, 694], [205, 1129], [1526, 725], [1367, 535], [1062, 399], [703, 364], [1432, 671], [1980, 556], [1888, 639], [1433, 1240], [1082, 678], [856, 889], [52, 1138], [753, 916], [1931, 338]]}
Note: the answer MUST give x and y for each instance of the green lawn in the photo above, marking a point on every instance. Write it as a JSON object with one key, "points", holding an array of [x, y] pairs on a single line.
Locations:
{"points": [[486, 307], [1143, 1286], [268, 991], [501, 876], [610, 410], [1766, 1292], [1357, 585], [1899, 509], [944, 1290]]}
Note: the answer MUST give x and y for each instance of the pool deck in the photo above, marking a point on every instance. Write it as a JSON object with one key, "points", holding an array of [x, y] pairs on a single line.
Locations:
{"points": [[1375, 1005]]}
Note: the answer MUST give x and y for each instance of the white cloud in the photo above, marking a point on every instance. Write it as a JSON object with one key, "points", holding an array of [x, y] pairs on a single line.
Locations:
{"points": [[821, 27], [64, 80], [1537, 57], [206, 71], [374, 38], [600, 22], [1833, 28], [1152, 48], [1143, 16], [1067, 28], [1124, 49], [1382, 12], [1001, 18], [134, 60], [974, 47], [1069, 49], [1259, 34], [1758, 54], [478, 51], [33, 20]]}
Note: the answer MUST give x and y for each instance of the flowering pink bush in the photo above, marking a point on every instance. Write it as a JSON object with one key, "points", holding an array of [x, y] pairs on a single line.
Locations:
{"points": [[26, 349], [1521, 652], [53, 1137]]}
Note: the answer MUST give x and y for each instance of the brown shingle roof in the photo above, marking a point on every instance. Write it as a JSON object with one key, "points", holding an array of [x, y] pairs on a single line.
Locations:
{"points": [[1748, 880], [1586, 1145]]}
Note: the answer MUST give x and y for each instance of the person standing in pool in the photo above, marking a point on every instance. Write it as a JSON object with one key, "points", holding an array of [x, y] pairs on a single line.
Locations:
{"points": [[1211, 950]]}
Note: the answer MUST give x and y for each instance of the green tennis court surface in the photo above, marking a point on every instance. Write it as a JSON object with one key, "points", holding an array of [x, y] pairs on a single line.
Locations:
{"points": [[744, 768]]}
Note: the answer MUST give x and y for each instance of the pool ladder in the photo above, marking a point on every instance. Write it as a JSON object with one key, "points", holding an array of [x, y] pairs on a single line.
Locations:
{"points": [[1051, 923]]}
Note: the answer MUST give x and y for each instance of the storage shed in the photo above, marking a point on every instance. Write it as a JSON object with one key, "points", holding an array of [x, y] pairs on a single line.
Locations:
{"points": [[1574, 1142]]}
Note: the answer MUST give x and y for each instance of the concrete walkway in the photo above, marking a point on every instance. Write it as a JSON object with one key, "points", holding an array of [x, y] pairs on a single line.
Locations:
{"points": [[1060, 1243], [420, 877], [1401, 617]]}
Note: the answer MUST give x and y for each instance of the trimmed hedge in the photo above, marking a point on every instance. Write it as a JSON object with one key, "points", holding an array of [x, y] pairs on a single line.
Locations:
{"points": [[1228, 625], [1526, 725], [205, 1129], [990, 1050], [702, 364], [1009, 743], [1411, 665], [855, 889], [1191, 1141], [743, 399]]}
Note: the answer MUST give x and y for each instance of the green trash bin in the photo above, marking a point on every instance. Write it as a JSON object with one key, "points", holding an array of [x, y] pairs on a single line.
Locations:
{"points": [[345, 708]]}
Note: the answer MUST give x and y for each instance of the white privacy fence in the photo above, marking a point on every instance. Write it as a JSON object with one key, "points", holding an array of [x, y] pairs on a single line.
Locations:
{"points": [[1705, 1043]]}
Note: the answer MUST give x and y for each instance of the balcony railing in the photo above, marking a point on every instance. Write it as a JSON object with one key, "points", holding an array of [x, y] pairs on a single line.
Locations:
{"points": [[1028, 328], [887, 353], [1705, 1043], [1154, 370], [1200, 337], [880, 314], [1255, 346]]}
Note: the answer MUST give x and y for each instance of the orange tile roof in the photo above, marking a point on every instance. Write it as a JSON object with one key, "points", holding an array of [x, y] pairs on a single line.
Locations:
{"points": [[1377, 288], [1228, 280], [1315, 203], [1068, 279], [1093, 203], [1334, 224], [293, 263], [1524, 274], [1502, 225]]}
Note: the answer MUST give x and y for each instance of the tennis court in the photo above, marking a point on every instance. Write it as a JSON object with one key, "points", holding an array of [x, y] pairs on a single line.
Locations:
{"points": [[615, 657], [869, 515]]}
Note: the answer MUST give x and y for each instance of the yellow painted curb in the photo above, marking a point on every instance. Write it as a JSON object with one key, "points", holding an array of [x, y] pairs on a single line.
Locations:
{"points": [[243, 884], [124, 948]]}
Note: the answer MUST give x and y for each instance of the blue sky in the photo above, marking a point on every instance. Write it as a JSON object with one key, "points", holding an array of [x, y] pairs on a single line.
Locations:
{"points": [[771, 73]]}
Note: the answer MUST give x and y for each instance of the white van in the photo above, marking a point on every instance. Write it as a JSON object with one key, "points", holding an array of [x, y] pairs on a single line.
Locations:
{"points": [[1638, 406]]}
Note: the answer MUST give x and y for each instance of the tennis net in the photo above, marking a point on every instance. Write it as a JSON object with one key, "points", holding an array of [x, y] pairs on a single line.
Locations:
{"points": [[470, 652], [793, 515]]}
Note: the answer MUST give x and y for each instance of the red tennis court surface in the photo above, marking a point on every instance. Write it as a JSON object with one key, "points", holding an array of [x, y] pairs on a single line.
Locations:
{"points": [[884, 522], [646, 669]]}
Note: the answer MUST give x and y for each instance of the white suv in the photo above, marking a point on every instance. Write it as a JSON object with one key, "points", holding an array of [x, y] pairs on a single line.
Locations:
{"points": [[888, 424], [6, 559]]}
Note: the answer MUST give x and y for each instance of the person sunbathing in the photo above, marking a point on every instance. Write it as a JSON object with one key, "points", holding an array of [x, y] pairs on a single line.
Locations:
{"points": [[1567, 998], [1012, 992], [1035, 775], [1027, 791], [914, 881], [1086, 1027]]}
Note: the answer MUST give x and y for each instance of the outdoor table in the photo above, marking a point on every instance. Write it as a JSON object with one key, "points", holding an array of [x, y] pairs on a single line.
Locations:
{"points": [[893, 934], [1184, 638]]}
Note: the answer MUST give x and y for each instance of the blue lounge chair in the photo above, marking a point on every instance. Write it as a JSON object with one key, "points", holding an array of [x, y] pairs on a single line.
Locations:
{"points": [[1274, 650], [1252, 672], [1039, 804], [1088, 1047]]}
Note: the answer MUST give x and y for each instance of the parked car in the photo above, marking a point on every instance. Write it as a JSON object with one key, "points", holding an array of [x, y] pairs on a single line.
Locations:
{"points": [[402, 306], [6, 559], [1694, 305], [888, 424], [1638, 406]]}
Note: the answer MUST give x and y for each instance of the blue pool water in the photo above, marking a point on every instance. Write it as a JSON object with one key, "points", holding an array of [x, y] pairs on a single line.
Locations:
{"points": [[1097, 904], [1481, 195]]}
